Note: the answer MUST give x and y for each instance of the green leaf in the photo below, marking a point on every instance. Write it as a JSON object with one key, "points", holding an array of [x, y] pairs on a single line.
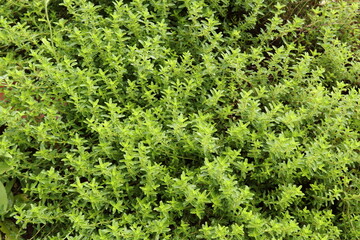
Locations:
{"points": [[10, 230], [4, 167], [5, 154], [3, 199]]}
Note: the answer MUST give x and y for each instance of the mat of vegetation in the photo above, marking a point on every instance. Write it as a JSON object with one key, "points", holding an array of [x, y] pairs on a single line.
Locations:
{"points": [[190, 119]]}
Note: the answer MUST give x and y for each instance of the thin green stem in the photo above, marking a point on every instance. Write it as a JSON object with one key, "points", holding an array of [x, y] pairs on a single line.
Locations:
{"points": [[48, 21]]}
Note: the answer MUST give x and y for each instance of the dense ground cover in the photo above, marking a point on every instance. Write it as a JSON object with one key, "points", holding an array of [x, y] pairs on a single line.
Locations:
{"points": [[160, 119]]}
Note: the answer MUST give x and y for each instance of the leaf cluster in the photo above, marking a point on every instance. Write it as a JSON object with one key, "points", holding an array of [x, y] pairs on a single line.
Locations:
{"points": [[159, 119]]}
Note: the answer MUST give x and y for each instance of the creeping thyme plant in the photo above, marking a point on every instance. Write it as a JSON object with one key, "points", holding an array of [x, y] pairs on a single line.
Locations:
{"points": [[189, 119]]}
